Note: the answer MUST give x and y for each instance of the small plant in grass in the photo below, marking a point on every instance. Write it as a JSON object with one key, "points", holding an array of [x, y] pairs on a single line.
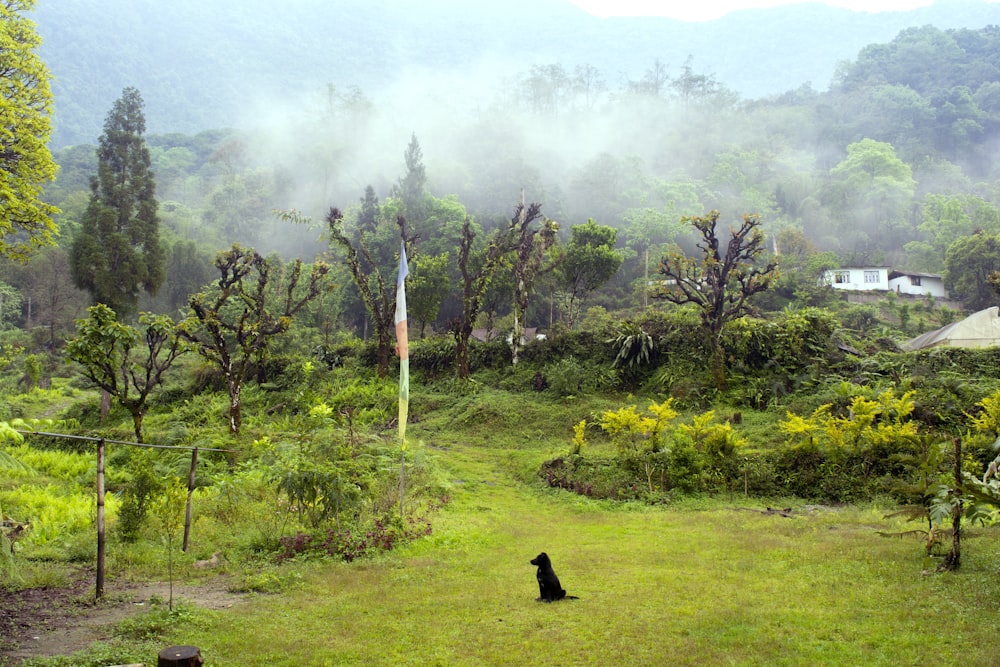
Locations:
{"points": [[139, 494], [579, 437], [158, 621], [169, 512], [383, 535], [566, 377], [268, 581]]}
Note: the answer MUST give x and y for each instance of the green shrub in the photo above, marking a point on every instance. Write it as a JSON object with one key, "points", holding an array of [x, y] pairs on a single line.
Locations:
{"points": [[434, 356], [139, 494], [566, 377]]}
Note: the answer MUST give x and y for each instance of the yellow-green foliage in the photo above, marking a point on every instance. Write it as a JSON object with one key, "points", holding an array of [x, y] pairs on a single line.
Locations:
{"points": [[988, 420], [579, 436], [68, 466], [632, 432], [710, 437], [53, 511], [882, 421]]}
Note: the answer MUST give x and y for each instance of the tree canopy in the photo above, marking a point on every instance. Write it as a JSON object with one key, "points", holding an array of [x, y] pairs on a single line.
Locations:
{"points": [[117, 251], [721, 280], [26, 164]]}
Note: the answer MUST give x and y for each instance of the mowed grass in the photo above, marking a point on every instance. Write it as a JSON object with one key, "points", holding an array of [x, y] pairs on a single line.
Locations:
{"points": [[699, 583]]}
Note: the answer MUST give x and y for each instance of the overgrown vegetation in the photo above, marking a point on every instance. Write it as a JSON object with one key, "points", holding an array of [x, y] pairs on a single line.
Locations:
{"points": [[745, 389]]}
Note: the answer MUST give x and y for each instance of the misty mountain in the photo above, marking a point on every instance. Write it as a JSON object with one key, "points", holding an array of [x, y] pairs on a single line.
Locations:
{"points": [[227, 63]]}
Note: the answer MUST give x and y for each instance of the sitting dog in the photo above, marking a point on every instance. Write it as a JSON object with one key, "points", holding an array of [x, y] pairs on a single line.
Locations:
{"points": [[549, 588]]}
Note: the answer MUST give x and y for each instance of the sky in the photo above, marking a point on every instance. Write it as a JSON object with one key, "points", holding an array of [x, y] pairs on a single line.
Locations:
{"points": [[707, 10]]}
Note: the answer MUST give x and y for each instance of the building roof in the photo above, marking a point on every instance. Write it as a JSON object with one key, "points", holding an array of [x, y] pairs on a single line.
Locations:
{"points": [[897, 273], [980, 329]]}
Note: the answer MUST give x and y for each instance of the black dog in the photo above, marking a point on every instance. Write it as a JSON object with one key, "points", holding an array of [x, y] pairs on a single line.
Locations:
{"points": [[549, 588]]}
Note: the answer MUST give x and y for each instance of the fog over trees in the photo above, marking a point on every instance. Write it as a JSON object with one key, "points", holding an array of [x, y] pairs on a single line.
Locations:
{"points": [[886, 160]]}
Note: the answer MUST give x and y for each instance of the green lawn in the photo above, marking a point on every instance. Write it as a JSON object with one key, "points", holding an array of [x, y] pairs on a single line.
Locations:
{"points": [[700, 583]]}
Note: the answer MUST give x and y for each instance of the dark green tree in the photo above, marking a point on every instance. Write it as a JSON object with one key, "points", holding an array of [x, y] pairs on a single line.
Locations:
{"points": [[969, 262], [871, 190], [26, 164], [428, 285], [117, 252], [253, 302], [189, 268], [720, 282], [588, 261], [126, 362], [411, 187]]}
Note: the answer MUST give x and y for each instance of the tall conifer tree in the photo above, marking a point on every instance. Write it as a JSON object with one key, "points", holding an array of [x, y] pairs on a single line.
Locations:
{"points": [[117, 251]]}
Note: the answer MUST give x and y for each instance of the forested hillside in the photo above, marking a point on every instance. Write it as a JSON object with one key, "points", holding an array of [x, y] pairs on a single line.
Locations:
{"points": [[893, 165], [206, 65]]}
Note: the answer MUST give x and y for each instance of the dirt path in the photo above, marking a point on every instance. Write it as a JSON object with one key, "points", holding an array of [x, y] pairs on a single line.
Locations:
{"points": [[46, 622]]}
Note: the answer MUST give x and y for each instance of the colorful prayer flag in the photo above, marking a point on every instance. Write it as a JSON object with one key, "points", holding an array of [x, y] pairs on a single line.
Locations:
{"points": [[402, 345]]}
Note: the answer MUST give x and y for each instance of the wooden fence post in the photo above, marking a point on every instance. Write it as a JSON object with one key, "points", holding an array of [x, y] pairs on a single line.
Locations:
{"points": [[187, 510], [100, 518]]}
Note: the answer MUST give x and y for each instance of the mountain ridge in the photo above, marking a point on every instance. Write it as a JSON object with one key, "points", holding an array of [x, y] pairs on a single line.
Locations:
{"points": [[204, 65]]}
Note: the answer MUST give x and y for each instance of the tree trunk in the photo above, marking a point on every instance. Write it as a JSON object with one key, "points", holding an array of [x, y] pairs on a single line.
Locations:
{"points": [[105, 404], [718, 362], [954, 557], [462, 354], [384, 345], [137, 424], [235, 405]]}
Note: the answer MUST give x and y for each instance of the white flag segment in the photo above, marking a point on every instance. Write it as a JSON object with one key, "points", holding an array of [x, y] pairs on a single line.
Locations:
{"points": [[402, 344]]}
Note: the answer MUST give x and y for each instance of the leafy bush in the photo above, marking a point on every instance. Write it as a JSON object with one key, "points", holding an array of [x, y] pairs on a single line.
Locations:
{"points": [[654, 455], [270, 580], [382, 535], [141, 491], [566, 377], [434, 356]]}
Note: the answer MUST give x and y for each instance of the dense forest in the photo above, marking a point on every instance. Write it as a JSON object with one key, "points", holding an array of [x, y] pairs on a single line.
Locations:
{"points": [[894, 165]]}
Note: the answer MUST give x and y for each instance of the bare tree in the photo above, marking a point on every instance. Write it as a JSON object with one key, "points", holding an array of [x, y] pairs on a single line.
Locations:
{"points": [[721, 281], [378, 294], [530, 246], [477, 270], [235, 324]]}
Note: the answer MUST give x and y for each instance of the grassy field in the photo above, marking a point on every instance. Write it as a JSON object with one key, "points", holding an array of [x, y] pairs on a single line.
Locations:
{"points": [[698, 582], [702, 583]]}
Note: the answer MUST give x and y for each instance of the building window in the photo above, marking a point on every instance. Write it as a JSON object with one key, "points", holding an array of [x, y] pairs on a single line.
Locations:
{"points": [[915, 281], [841, 277], [871, 277]]}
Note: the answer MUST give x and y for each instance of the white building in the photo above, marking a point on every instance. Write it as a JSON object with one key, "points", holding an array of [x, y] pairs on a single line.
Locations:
{"points": [[859, 279], [883, 279], [917, 284]]}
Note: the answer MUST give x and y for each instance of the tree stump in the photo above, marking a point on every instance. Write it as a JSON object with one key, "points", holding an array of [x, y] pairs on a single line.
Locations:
{"points": [[179, 656]]}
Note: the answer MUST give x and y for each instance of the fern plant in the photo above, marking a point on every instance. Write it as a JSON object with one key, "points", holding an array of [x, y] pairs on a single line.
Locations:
{"points": [[634, 346]]}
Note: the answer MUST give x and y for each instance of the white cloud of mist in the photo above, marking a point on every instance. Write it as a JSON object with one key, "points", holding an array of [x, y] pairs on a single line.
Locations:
{"points": [[709, 10]]}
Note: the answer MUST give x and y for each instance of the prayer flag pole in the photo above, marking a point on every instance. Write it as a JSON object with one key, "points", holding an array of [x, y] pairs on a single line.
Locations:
{"points": [[402, 348]]}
